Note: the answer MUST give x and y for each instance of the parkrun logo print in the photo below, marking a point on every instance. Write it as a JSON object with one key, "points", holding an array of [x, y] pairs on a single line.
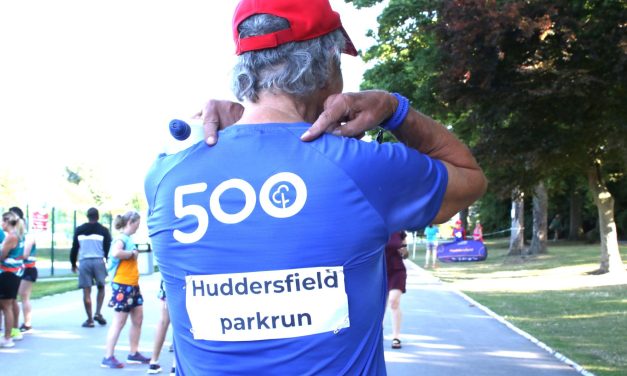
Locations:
{"points": [[283, 195], [278, 196]]}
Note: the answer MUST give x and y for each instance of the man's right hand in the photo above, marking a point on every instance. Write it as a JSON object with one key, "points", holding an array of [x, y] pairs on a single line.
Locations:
{"points": [[352, 114], [217, 115], [74, 269]]}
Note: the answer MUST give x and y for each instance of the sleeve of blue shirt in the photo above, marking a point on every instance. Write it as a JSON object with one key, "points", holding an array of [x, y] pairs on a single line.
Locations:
{"points": [[405, 186]]}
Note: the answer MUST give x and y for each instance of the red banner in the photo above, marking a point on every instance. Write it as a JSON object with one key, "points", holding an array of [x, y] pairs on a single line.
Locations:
{"points": [[40, 221]]}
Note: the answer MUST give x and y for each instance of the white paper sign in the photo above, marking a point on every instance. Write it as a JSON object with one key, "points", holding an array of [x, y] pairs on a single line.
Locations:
{"points": [[267, 305]]}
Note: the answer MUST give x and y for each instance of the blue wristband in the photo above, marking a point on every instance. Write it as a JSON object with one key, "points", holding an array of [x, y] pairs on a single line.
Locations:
{"points": [[399, 115]]}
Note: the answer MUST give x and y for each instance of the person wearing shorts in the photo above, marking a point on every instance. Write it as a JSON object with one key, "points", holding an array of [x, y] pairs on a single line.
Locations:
{"points": [[29, 276], [160, 334], [126, 296], [26, 287], [90, 246], [10, 274], [395, 252], [431, 234], [26, 284]]}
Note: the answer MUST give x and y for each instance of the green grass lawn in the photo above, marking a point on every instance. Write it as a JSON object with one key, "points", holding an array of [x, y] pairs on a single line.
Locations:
{"points": [[551, 297], [44, 288], [47, 286], [59, 253]]}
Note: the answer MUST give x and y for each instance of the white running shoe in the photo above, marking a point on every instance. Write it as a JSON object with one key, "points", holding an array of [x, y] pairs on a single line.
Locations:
{"points": [[6, 343]]}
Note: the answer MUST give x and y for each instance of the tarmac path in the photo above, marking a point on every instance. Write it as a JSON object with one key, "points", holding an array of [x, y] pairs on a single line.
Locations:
{"points": [[443, 334]]}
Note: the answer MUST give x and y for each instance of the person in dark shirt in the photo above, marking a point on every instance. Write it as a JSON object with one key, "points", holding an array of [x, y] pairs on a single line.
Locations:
{"points": [[90, 246], [556, 226]]}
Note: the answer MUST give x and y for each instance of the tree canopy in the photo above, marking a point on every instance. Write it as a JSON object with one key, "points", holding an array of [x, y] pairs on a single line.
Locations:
{"points": [[536, 88]]}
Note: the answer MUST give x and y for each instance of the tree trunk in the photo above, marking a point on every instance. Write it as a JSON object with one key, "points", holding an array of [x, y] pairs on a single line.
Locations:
{"points": [[517, 237], [540, 205], [610, 255], [463, 216], [575, 228]]}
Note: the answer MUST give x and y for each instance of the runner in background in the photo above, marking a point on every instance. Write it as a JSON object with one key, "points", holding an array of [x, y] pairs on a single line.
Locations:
{"points": [[395, 253], [162, 330], [90, 246], [28, 277], [10, 275], [432, 233], [126, 299], [459, 232], [477, 233]]}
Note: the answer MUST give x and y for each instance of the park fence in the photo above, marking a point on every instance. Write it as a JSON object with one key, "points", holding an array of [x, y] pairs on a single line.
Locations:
{"points": [[53, 230]]}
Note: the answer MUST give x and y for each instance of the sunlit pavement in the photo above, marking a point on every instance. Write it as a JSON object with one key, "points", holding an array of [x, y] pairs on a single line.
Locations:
{"points": [[442, 334], [58, 345]]}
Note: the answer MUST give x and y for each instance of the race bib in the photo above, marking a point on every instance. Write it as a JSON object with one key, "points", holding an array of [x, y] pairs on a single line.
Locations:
{"points": [[267, 305]]}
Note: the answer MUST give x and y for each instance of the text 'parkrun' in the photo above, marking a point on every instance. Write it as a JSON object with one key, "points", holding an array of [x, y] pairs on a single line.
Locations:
{"points": [[266, 305]]}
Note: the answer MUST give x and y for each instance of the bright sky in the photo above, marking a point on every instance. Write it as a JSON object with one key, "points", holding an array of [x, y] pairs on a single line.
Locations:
{"points": [[96, 83]]}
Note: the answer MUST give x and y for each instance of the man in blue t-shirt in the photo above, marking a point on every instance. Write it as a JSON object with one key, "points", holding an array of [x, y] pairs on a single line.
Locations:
{"points": [[271, 241]]}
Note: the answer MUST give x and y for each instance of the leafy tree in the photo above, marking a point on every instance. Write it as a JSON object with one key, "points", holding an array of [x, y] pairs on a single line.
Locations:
{"points": [[494, 213], [405, 49], [73, 176], [537, 88], [535, 70]]}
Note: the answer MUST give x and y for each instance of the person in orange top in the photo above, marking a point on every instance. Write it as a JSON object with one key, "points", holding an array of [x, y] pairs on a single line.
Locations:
{"points": [[127, 297]]}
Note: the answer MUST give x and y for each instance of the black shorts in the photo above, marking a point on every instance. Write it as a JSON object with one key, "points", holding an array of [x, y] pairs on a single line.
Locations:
{"points": [[9, 284], [30, 274]]}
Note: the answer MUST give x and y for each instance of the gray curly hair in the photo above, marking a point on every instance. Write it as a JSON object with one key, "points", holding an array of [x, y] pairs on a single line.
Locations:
{"points": [[295, 68]]}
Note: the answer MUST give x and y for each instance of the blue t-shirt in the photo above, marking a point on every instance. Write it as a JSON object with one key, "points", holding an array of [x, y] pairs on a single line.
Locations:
{"points": [[431, 233], [272, 249]]}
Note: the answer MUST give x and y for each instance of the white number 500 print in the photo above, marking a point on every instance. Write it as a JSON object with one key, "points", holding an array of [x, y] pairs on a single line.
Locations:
{"points": [[271, 198]]}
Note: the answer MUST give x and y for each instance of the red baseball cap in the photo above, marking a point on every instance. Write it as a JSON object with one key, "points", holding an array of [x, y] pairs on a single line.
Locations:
{"points": [[308, 19]]}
